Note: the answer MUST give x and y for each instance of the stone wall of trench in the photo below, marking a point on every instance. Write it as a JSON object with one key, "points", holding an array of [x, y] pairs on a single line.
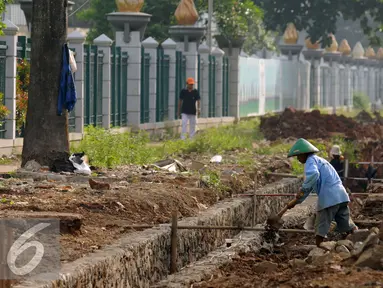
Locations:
{"points": [[143, 258]]}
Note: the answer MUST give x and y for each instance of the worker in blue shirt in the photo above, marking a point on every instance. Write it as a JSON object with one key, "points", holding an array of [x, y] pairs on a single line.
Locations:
{"points": [[323, 179]]}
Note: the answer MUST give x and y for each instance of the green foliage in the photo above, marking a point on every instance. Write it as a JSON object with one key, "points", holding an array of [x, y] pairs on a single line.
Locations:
{"points": [[321, 109], [217, 140], [278, 148], [297, 167], [348, 148], [96, 15], [234, 18], [361, 101], [319, 17], [3, 109], [108, 149], [162, 12], [237, 19], [3, 3], [22, 86]]}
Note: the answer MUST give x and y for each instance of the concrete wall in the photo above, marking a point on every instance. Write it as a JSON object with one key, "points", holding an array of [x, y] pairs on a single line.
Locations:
{"points": [[143, 258]]}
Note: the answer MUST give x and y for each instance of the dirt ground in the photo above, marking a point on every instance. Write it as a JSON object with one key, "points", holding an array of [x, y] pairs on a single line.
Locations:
{"points": [[314, 125], [142, 196], [244, 271]]}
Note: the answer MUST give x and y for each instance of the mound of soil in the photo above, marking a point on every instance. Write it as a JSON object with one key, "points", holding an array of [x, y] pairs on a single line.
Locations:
{"points": [[314, 125]]}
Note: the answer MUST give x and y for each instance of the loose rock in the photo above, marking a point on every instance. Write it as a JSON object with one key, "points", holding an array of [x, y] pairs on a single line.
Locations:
{"points": [[371, 258], [98, 185], [328, 245], [374, 230], [371, 240], [266, 267], [297, 263], [344, 255], [342, 249], [347, 243], [32, 166], [358, 235], [318, 257]]}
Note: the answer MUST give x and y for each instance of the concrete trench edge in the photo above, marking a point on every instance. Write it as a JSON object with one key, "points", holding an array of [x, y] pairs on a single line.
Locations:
{"points": [[246, 241], [140, 259]]}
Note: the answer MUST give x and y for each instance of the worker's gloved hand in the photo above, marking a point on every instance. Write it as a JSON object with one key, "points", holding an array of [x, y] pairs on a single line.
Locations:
{"points": [[299, 195], [291, 205]]}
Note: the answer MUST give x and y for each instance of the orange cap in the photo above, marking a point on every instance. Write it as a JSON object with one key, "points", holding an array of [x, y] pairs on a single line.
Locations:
{"points": [[190, 81]]}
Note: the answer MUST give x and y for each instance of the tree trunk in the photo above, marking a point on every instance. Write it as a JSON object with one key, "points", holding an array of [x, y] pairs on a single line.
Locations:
{"points": [[46, 134]]}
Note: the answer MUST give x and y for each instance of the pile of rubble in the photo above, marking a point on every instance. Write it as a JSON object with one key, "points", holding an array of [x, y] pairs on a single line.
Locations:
{"points": [[354, 262], [373, 207], [362, 249], [314, 125]]}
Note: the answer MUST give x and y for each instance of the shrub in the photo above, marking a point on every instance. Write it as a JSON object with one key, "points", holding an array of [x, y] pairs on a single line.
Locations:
{"points": [[361, 101], [22, 86], [108, 149], [3, 109]]}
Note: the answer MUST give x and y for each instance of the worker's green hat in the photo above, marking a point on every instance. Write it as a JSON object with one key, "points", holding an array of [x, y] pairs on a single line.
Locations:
{"points": [[302, 146]]}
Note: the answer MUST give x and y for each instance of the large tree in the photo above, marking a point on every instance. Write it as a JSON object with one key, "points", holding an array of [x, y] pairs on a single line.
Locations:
{"points": [[319, 17], [46, 133]]}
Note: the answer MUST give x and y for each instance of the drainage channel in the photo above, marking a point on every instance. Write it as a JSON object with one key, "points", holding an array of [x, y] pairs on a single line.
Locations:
{"points": [[245, 242], [140, 259]]}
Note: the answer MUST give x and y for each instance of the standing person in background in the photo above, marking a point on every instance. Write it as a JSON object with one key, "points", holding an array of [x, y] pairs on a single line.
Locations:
{"points": [[337, 161], [189, 107]]}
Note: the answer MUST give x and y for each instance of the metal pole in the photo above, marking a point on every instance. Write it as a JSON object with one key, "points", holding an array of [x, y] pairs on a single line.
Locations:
{"points": [[200, 227], [282, 175], [210, 19], [346, 167]]}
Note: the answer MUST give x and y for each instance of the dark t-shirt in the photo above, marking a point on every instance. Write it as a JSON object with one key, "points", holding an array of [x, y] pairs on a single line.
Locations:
{"points": [[189, 99], [338, 165]]}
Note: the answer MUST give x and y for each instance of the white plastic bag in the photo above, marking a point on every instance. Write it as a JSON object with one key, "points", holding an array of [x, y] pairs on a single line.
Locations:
{"points": [[216, 159], [72, 61], [82, 167]]}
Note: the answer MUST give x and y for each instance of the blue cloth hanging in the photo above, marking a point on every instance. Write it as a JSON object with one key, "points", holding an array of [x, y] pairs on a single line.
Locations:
{"points": [[67, 94]]}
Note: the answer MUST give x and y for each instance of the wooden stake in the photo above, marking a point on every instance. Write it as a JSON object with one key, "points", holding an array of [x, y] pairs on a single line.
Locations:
{"points": [[173, 243]]}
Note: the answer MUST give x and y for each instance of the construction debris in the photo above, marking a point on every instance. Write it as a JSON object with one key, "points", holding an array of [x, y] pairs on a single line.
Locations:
{"points": [[171, 165], [338, 265], [373, 206]]}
